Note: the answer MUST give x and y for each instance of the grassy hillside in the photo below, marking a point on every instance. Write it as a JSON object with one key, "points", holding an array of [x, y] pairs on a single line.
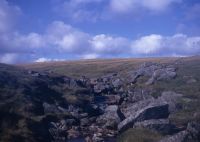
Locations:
{"points": [[94, 68], [22, 95], [187, 81]]}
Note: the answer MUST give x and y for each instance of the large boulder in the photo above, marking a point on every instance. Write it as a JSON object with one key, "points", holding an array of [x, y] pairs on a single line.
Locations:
{"points": [[172, 98], [162, 74], [154, 71], [128, 109], [155, 110]]}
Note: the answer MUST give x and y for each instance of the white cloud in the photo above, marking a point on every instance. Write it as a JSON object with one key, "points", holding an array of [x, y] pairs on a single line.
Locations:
{"points": [[8, 15], [157, 45], [32, 40], [125, 6], [62, 40], [79, 10], [95, 10], [8, 58], [40, 60], [108, 44], [90, 56], [66, 38], [147, 44]]}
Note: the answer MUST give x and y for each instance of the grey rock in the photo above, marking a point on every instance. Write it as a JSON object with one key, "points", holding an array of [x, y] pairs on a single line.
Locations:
{"points": [[117, 83], [162, 74], [85, 122], [50, 108], [131, 108], [56, 130], [154, 71], [153, 111], [113, 99], [111, 117], [139, 95], [172, 98]]}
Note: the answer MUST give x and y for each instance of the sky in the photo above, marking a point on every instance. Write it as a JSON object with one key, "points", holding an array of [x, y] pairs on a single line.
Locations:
{"points": [[57, 30]]}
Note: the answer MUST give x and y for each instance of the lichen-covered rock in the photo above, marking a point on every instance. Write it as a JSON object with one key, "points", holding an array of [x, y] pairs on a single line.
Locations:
{"points": [[139, 95], [162, 74], [172, 98], [152, 111]]}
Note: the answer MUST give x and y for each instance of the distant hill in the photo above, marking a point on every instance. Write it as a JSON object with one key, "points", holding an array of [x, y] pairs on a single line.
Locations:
{"points": [[125, 100]]}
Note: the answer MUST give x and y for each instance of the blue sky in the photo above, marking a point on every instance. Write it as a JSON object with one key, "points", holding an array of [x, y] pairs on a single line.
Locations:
{"points": [[53, 30]]}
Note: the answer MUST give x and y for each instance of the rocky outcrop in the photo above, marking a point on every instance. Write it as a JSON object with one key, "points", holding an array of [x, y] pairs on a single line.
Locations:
{"points": [[109, 104], [107, 83], [191, 134], [162, 74], [155, 72]]}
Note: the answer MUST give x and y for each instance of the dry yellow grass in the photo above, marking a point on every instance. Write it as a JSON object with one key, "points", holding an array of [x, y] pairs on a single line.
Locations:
{"points": [[93, 68]]}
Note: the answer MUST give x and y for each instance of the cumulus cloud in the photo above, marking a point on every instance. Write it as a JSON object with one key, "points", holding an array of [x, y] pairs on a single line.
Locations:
{"points": [[66, 37], [63, 40], [157, 45], [105, 44], [8, 15], [90, 56], [95, 10], [79, 10], [8, 58], [147, 44], [40, 60], [122, 6]]}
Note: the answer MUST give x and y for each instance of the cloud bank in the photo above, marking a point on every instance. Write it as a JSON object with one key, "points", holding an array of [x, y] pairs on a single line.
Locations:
{"points": [[63, 41], [94, 10]]}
